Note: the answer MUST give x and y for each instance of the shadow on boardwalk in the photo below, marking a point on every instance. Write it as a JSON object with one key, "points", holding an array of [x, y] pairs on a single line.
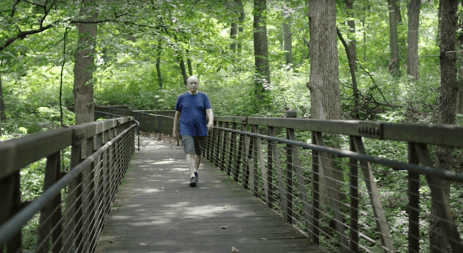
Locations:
{"points": [[157, 211]]}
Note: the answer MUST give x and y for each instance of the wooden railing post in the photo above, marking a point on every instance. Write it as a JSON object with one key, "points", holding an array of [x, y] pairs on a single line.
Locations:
{"points": [[354, 200], [232, 157], [315, 227], [53, 209], [413, 203], [224, 146], [271, 194], [375, 200], [239, 153], [289, 171], [217, 145], [440, 200], [10, 198]]}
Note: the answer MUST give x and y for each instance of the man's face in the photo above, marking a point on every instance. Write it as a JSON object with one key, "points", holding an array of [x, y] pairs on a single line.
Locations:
{"points": [[192, 85]]}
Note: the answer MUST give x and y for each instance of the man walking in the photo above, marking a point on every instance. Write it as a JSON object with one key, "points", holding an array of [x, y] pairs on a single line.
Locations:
{"points": [[191, 109]]}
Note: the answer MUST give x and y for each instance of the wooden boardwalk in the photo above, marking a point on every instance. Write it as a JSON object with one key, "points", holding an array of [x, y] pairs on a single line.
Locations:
{"points": [[157, 211]]}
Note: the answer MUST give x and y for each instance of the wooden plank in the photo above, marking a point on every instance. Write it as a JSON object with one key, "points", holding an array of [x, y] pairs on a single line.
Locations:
{"points": [[381, 222], [333, 195], [278, 170], [413, 203], [235, 119], [440, 200], [18, 153], [354, 200], [217, 201]]}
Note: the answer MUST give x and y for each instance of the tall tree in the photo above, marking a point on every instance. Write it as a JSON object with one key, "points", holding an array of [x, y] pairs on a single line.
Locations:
{"points": [[459, 109], [261, 46], [447, 113], [351, 23], [158, 63], [240, 23], [413, 25], [233, 31], [324, 94], [287, 37], [84, 64], [394, 65], [2, 103]]}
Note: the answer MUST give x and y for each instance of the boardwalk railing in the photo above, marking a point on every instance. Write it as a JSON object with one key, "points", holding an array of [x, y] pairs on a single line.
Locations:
{"points": [[334, 194], [73, 206]]}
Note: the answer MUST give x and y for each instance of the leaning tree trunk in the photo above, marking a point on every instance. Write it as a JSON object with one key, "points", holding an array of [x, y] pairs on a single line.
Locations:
{"points": [[261, 47], [83, 69], [413, 24], [394, 65], [446, 110]]}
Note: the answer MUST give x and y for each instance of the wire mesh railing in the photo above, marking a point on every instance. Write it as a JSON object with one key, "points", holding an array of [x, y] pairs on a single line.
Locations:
{"points": [[73, 206], [319, 177]]}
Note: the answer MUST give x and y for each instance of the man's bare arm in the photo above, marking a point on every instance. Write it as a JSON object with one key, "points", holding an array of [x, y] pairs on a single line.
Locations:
{"points": [[176, 120], [210, 115]]}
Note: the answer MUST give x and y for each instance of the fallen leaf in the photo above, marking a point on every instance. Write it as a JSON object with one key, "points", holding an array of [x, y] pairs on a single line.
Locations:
{"points": [[111, 242], [241, 231], [142, 244], [235, 250], [265, 239], [223, 227]]}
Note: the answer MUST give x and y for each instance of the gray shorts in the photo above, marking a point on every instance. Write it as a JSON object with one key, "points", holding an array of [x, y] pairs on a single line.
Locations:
{"points": [[193, 145]]}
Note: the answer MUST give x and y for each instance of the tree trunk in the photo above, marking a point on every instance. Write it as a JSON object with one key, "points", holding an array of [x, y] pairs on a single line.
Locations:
{"points": [[158, 64], [240, 23], [446, 110], [287, 38], [324, 73], [233, 31], [261, 47], [459, 109], [413, 25], [398, 15], [188, 61], [394, 65], [2, 103], [182, 68], [351, 23], [83, 69]]}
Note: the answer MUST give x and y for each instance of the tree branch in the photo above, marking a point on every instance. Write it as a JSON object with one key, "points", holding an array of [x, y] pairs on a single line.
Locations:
{"points": [[14, 6], [373, 80], [38, 5]]}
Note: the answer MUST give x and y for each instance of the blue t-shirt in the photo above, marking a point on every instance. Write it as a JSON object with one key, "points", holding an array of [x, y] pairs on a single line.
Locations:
{"points": [[193, 113]]}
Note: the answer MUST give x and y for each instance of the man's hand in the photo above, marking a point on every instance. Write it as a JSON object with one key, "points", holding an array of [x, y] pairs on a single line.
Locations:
{"points": [[210, 126]]}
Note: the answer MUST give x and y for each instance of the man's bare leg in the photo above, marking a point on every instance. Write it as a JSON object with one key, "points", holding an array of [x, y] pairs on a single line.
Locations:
{"points": [[197, 162], [190, 160]]}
